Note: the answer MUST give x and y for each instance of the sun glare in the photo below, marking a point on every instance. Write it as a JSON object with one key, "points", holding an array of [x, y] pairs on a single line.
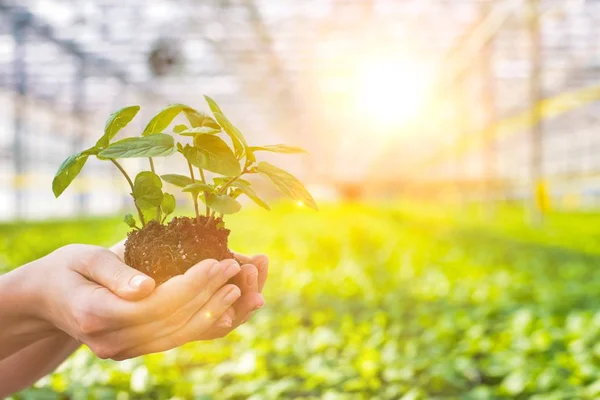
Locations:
{"points": [[391, 91]]}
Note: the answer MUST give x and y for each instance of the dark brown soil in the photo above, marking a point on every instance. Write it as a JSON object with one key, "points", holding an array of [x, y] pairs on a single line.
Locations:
{"points": [[163, 251]]}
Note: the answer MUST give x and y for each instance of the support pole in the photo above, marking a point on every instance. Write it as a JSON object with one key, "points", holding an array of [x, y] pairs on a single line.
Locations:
{"points": [[488, 86], [80, 125], [20, 90], [535, 95]]}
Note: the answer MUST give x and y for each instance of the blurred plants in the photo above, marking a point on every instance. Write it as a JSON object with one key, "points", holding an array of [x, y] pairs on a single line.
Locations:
{"points": [[374, 303]]}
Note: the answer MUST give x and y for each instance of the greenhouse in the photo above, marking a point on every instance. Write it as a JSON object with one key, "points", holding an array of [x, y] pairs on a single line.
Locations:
{"points": [[422, 178]]}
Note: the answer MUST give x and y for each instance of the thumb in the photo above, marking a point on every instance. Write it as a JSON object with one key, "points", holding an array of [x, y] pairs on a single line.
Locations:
{"points": [[106, 269]]}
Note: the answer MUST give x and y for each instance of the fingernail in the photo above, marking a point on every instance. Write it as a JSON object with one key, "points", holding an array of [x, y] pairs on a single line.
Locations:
{"points": [[225, 323], [137, 281], [251, 279], [232, 268], [260, 304], [214, 269], [232, 295]]}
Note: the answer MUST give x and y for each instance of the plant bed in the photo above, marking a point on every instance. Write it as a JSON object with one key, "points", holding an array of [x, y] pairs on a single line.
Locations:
{"points": [[217, 157]]}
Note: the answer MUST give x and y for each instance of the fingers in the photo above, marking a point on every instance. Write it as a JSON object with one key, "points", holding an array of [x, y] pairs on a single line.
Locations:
{"points": [[245, 306], [247, 281], [119, 249], [261, 262], [193, 330], [106, 269], [172, 321], [173, 294]]}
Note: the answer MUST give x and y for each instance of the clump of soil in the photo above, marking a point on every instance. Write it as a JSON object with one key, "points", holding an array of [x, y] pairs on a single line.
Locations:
{"points": [[163, 251]]}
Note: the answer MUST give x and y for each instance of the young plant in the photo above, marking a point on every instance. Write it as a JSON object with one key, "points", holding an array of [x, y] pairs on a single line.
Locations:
{"points": [[203, 143]]}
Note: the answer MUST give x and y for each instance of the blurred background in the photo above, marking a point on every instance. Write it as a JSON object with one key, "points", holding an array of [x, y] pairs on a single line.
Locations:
{"points": [[462, 100], [454, 150]]}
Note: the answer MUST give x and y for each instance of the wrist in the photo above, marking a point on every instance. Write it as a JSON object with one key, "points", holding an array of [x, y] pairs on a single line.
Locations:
{"points": [[20, 310], [21, 295]]}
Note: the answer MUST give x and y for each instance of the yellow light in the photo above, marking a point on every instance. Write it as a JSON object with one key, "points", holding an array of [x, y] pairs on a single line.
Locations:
{"points": [[208, 315], [391, 91], [300, 203]]}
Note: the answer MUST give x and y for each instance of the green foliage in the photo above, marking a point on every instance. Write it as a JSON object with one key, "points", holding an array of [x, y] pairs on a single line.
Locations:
{"points": [[372, 302], [168, 204], [222, 203], [116, 121], [68, 171], [278, 148], [179, 128], [245, 188], [201, 130], [212, 153], [157, 145], [177, 180], [197, 188], [163, 119], [129, 220], [287, 183], [238, 140], [207, 152], [147, 190]]}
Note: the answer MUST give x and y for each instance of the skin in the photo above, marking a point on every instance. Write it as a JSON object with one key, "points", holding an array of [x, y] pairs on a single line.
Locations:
{"points": [[83, 294]]}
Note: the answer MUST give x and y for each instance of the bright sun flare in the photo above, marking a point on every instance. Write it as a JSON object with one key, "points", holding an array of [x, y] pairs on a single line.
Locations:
{"points": [[391, 92]]}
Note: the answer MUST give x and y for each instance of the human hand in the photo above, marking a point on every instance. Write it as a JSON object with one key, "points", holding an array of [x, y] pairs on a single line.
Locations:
{"points": [[90, 294], [251, 280]]}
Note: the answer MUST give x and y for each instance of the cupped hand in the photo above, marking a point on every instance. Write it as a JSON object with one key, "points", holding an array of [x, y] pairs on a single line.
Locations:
{"points": [[90, 294], [251, 280]]}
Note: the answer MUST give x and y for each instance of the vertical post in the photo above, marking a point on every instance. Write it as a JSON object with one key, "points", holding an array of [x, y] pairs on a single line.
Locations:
{"points": [[488, 84], [20, 88], [535, 95], [79, 113]]}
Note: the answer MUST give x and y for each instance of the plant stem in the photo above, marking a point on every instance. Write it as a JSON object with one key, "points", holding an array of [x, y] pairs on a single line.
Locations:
{"points": [[205, 192], [194, 197], [140, 215], [154, 172], [229, 182]]}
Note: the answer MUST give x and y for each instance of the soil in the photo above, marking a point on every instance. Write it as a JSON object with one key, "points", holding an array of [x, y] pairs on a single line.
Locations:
{"points": [[163, 251]]}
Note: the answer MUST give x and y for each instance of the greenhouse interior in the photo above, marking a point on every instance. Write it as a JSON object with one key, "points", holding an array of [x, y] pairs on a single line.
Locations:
{"points": [[420, 181]]}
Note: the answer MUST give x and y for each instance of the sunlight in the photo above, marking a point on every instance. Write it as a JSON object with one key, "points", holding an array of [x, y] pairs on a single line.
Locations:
{"points": [[391, 92]]}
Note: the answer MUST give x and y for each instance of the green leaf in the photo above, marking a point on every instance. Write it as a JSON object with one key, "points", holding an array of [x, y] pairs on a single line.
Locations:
{"points": [[198, 119], [68, 170], [129, 220], [159, 145], [220, 181], [198, 187], [177, 180], [248, 191], [168, 203], [116, 121], [147, 190], [201, 130], [238, 140], [223, 204], [212, 153], [287, 183], [180, 128], [164, 118], [214, 107], [278, 148]]}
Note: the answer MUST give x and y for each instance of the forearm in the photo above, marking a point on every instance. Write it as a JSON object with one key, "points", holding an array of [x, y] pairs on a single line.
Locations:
{"points": [[23, 368], [19, 302]]}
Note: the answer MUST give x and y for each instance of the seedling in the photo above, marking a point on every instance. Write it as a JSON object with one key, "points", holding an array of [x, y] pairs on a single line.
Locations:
{"points": [[163, 249]]}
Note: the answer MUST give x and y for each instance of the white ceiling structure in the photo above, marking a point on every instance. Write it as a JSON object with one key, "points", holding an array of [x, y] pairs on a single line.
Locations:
{"points": [[287, 71]]}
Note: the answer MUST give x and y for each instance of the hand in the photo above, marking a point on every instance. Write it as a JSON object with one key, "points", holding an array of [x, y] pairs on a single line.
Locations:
{"points": [[90, 294], [251, 280]]}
